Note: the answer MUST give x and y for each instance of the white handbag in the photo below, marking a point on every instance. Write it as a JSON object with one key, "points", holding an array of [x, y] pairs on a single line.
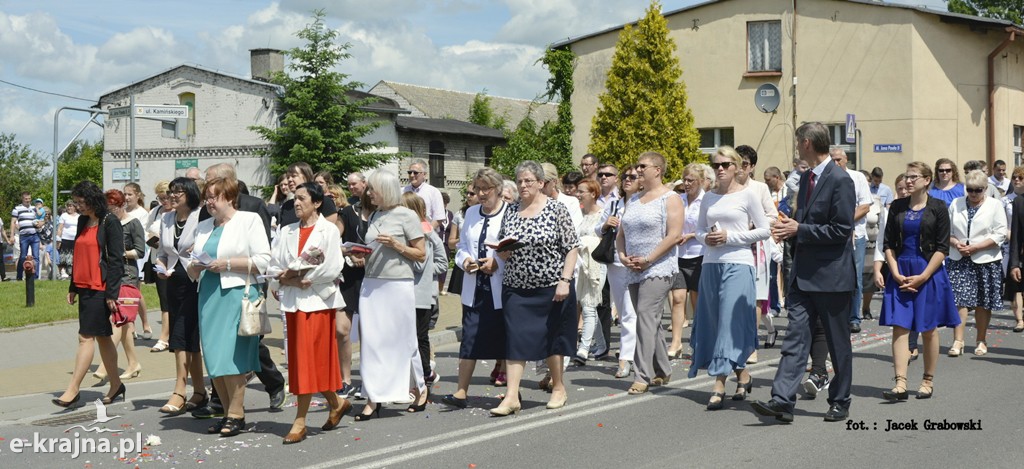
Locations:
{"points": [[254, 320]]}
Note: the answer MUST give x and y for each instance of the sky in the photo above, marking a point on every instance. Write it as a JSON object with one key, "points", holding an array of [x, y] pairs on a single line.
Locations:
{"points": [[84, 49]]}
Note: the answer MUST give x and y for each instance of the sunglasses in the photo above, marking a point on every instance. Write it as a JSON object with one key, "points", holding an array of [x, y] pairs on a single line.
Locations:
{"points": [[975, 190], [413, 173], [725, 165], [947, 170], [605, 175], [629, 177]]}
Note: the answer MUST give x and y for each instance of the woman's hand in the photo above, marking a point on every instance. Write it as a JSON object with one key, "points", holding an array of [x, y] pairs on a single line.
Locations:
{"points": [[488, 265], [686, 237], [880, 281], [561, 291], [111, 306], [612, 222], [912, 283], [386, 240], [468, 264], [217, 266], [715, 238], [71, 298]]}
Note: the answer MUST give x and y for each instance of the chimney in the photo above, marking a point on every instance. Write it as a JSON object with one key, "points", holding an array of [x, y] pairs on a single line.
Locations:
{"points": [[264, 62]]}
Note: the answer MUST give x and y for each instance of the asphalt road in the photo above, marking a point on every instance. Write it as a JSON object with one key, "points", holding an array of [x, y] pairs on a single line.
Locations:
{"points": [[601, 427]]}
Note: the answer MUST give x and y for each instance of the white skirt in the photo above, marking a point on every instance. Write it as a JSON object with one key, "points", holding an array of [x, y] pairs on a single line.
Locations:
{"points": [[387, 338]]}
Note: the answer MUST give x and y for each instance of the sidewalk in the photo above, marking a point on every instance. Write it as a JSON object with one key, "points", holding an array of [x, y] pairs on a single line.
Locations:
{"points": [[38, 360]]}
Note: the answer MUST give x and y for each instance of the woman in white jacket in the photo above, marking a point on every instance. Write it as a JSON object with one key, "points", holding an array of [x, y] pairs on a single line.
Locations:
{"points": [[229, 252], [977, 229], [306, 262]]}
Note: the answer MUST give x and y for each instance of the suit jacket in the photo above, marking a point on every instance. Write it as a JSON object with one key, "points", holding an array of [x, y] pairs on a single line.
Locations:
{"points": [[240, 238], [169, 255], [1017, 233], [247, 203], [323, 293], [110, 237], [988, 223], [823, 247]]}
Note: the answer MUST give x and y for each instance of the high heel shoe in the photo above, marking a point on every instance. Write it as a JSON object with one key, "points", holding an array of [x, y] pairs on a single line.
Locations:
{"points": [[981, 349], [898, 393], [65, 404], [926, 390], [173, 410], [334, 417], [132, 374], [99, 376], [957, 349], [678, 354], [624, 370], [121, 391], [769, 340], [745, 388], [420, 407], [716, 405], [752, 359], [553, 404], [365, 417], [191, 405], [505, 411]]}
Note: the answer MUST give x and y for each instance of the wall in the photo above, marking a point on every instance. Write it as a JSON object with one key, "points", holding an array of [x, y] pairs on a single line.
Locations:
{"points": [[464, 156]]}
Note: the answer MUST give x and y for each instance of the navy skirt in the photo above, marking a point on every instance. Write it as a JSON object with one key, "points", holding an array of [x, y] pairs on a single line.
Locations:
{"points": [[483, 333], [536, 326]]}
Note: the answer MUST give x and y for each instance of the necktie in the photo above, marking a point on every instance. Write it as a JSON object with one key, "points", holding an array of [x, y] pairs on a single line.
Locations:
{"points": [[810, 188]]}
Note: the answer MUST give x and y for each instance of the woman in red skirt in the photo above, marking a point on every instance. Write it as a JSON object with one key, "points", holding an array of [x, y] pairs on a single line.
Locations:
{"points": [[306, 262]]}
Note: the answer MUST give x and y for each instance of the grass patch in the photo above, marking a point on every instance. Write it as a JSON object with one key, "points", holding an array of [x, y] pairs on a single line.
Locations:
{"points": [[51, 303]]}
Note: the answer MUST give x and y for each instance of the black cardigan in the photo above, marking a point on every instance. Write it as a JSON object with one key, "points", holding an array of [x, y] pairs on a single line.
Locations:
{"points": [[934, 235], [110, 237]]}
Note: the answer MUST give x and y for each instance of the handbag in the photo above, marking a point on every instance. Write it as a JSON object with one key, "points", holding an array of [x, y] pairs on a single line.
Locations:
{"points": [[605, 250], [254, 320], [128, 299]]}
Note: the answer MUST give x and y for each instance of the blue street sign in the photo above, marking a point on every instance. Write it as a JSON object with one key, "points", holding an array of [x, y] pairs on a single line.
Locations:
{"points": [[851, 128], [888, 148]]}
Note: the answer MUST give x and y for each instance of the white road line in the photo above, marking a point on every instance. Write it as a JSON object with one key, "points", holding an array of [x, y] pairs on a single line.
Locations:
{"points": [[509, 425]]}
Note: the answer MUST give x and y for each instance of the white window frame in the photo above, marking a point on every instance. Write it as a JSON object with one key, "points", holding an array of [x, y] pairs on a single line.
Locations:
{"points": [[765, 46], [718, 139], [1018, 143]]}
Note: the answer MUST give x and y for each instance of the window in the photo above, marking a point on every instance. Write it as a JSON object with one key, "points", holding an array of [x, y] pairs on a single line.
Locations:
{"points": [[764, 46], [435, 155], [837, 132], [189, 99], [711, 139], [1018, 154]]}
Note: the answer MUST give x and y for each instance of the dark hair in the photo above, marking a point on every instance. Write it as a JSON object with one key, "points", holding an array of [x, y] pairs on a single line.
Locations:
{"points": [[817, 133], [243, 188], [225, 187], [748, 153], [608, 165], [92, 196], [591, 156], [115, 197], [572, 177], [447, 199], [189, 187], [316, 193], [999, 163], [328, 178], [303, 169], [877, 172]]}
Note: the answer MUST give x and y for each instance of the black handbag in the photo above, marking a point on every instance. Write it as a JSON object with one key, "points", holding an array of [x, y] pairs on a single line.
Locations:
{"points": [[605, 250]]}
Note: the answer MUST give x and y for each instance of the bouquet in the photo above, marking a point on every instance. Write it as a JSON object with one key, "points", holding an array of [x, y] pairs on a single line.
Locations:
{"points": [[309, 259]]}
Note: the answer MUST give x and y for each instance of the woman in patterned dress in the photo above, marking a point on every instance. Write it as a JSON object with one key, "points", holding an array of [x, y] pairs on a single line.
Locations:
{"points": [[591, 273], [651, 227], [538, 297], [977, 229]]}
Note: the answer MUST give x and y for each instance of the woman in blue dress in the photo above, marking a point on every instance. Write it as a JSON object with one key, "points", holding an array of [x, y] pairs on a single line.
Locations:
{"points": [[918, 296], [243, 255]]}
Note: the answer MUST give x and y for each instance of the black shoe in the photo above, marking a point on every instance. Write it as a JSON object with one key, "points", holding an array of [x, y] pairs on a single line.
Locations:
{"points": [[232, 427], [453, 401], [769, 340], [836, 413], [346, 390], [854, 327], [772, 409], [212, 410], [277, 399], [815, 384], [66, 404]]}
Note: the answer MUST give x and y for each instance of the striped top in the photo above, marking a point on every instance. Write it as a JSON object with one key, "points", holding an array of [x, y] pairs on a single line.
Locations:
{"points": [[26, 217]]}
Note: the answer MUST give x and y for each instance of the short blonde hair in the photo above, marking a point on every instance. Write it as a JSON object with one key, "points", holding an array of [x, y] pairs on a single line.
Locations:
{"points": [[976, 179], [729, 152], [162, 187], [656, 158], [385, 184]]}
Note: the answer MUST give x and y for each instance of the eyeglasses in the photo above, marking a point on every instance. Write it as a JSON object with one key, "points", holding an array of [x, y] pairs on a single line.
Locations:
{"points": [[975, 190], [689, 181], [587, 164], [912, 177], [413, 173], [176, 193], [629, 177], [605, 175], [643, 166], [726, 165], [470, 193], [1018, 178], [945, 170], [526, 182]]}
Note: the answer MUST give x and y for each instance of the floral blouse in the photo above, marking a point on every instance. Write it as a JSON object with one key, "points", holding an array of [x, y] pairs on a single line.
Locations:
{"points": [[549, 236]]}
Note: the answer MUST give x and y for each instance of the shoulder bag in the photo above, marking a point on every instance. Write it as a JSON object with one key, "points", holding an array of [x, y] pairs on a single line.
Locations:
{"points": [[254, 320], [605, 250]]}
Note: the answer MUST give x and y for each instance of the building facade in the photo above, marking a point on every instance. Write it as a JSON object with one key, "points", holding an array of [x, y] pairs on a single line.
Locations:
{"points": [[916, 80]]}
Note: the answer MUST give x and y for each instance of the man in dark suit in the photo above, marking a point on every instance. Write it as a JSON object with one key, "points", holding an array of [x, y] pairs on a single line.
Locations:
{"points": [[822, 281], [272, 379], [1016, 244]]}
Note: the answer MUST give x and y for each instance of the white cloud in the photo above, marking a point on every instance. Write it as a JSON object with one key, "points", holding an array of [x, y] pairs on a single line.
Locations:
{"points": [[541, 22]]}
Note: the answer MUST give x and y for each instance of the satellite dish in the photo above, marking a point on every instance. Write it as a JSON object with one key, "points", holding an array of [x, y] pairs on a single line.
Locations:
{"points": [[767, 98]]}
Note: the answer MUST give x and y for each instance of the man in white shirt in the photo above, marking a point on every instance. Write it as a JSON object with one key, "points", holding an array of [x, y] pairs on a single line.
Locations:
{"points": [[793, 182], [608, 178], [879, 188], [431, 196], [860, 233], [776, 185], [552, 190], [998, 177]]}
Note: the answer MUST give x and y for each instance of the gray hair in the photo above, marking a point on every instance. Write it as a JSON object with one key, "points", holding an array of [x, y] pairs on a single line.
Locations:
{"points": [[358, 175], [976, 179], [817, 133], [420, 163], [709, 174], [531, 167], [221, 170], [385, 184], [510, 185], [488, 176]]}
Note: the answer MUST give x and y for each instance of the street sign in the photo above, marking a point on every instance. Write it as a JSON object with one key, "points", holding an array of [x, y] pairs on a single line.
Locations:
{"points": [[123, 174], [117, 112], [186, 163], [161, 110], [888, 148], [851, 128]]}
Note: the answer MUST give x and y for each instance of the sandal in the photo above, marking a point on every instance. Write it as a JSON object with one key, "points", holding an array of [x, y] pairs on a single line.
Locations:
{"points": [[191, 405], [623, 370], [716, 405], [1019, 327], [926, 390], [172, 410], [637, 388], [957, 349], [545, 384], [159, 347], [232, 427], [215, 428], [898, 393], [500, 380], [980, 349]]}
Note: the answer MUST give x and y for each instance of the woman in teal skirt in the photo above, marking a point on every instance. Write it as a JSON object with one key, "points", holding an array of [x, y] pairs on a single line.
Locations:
{"points": [[243, 254]]}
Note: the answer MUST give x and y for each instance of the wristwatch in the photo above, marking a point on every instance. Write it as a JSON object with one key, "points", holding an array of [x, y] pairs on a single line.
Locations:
{"points": [[565, 279]]}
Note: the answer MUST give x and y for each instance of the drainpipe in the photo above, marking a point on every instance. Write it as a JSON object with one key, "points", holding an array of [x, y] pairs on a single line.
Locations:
{"points": [[991, 130]]}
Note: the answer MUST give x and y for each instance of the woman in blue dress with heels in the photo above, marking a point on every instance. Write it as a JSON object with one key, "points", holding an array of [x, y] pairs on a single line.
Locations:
{"points": [[918, 296]]}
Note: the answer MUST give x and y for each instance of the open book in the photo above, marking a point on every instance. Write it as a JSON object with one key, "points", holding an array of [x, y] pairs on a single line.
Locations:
{"points": [[357, 248], [510, 243]]}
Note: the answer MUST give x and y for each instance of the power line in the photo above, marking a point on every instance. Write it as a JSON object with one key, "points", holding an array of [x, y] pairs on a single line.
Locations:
{"points": [[48, 92]]}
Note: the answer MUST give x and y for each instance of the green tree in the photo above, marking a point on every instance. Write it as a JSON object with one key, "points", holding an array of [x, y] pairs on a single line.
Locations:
{"points": [[558, 135], [19, 167], [523, 143], [1010, 10], [322, 125], [644, 105], [481, 113], [81, 161]]}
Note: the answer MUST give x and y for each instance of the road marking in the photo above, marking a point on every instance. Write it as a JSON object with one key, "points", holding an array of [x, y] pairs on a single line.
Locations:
{"points": [[509, 425]]}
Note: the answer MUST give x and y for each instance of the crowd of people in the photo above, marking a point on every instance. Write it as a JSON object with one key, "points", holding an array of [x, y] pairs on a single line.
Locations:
{"points": [[545, 267]]}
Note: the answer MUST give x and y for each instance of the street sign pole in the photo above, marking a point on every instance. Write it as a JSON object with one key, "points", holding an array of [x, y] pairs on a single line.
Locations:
{"points": [[131, 150]]}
